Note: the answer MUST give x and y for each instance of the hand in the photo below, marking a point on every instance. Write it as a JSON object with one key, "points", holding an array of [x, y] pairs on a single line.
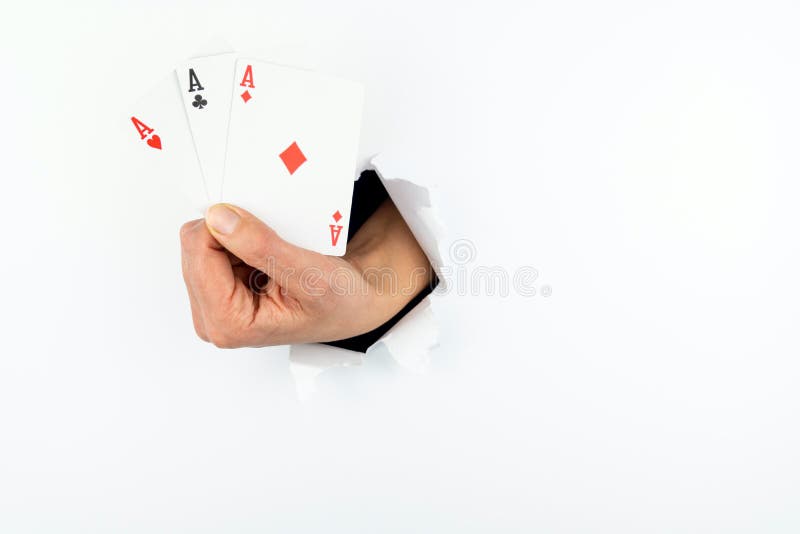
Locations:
{"points": [[249, 287]]}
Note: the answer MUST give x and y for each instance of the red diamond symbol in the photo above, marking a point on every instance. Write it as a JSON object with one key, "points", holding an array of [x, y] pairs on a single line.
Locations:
{"points": [[246, 96], [337, 216], [293, 157]]}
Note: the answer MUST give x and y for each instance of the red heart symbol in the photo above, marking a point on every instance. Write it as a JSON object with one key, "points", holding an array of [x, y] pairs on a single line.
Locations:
{"points": [[154, 141]]}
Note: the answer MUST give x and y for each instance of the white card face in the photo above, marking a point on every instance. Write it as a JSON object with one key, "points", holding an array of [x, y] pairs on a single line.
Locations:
{"points": [[292, 148], [205, 84], [158, 151]]}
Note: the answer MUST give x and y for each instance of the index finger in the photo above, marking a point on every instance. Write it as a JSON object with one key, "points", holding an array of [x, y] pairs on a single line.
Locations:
{"points": [[207, 267]]}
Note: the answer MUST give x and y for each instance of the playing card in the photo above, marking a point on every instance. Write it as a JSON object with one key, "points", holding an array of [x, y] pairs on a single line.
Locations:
{"points": [[205, 84], [292, 148], [157, 148]]}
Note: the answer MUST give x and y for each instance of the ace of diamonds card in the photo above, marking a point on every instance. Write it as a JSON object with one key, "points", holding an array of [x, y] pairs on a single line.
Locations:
{"points": [[291, 152]]}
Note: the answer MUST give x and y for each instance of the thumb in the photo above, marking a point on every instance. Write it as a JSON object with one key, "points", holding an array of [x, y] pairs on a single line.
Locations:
{"points": [[259, 246]]}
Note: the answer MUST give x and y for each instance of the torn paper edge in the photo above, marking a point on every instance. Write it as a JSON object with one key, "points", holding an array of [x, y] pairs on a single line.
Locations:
{"points": [[415, 203], [411, 340], [308, 361]]}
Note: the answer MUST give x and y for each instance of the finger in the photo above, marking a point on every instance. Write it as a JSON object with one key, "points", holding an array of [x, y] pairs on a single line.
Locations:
{"points": [[197, 317], [259, 246], [208, 274]]}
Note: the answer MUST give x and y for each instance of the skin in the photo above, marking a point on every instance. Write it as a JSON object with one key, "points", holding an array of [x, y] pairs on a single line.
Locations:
{"points": [[307, 297]]}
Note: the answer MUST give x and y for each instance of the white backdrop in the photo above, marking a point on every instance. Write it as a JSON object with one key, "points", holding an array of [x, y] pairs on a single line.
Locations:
{"points": [[643, 158]]}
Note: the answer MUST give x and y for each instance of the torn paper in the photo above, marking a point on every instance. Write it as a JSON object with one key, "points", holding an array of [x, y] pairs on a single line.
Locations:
{"points": [[308, 361], [411, 340], [409, 343], [415, 204]]}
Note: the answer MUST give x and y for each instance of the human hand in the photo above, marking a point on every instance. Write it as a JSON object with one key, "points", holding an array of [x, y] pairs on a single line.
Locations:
{"points": [[249, 287]]}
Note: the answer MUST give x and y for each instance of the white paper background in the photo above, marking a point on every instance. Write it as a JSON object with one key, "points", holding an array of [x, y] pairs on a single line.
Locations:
{"points": [[643, 158]]}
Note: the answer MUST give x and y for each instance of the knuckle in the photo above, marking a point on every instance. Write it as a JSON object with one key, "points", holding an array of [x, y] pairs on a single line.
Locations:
{"points": [[188, 233], [225, 325], [186, 230], [221, 339], [258, 253], [263, 246], [224, 333], [201, 333]]}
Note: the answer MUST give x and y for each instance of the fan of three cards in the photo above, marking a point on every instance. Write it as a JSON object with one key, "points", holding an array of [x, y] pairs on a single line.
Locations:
{"points": [[278, 141]]}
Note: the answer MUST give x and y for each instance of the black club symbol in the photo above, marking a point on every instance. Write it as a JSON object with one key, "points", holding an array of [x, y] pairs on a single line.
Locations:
{"points": [[199, 102]]}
